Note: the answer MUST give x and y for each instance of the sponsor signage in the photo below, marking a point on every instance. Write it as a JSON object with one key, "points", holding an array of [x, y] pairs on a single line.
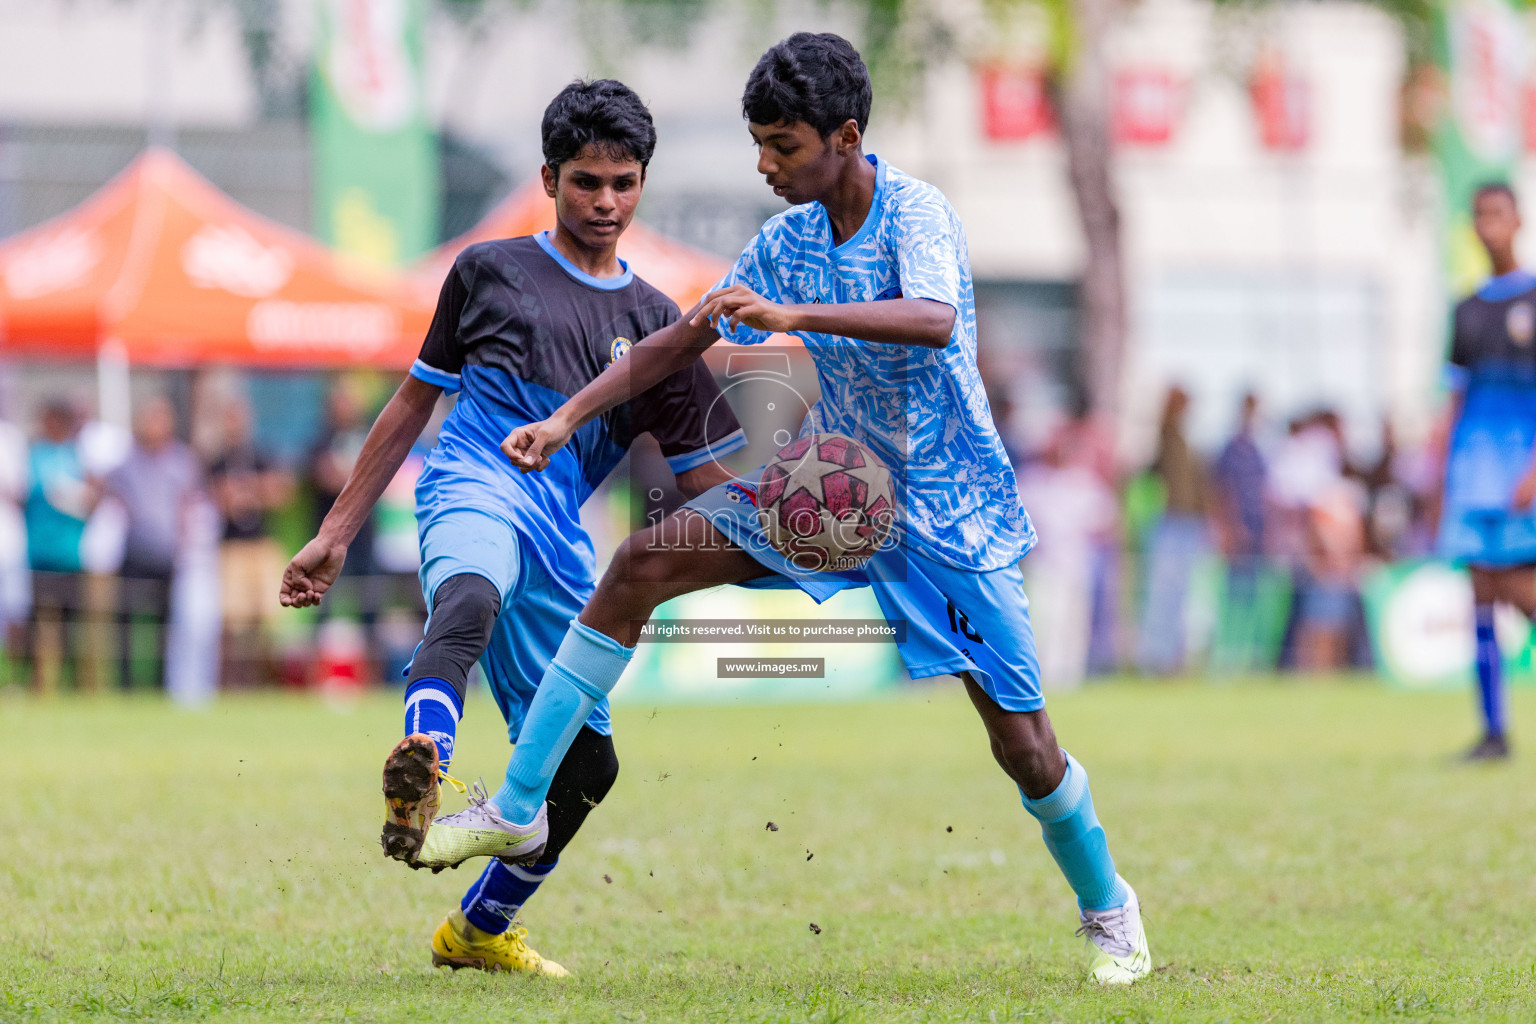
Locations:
{"points": [[1282, 104], [1015, 103], [1481, 53], [376, 175], [1148, 105]]}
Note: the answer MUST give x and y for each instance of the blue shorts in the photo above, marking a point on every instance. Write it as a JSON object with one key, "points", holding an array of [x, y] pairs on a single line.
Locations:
{"points": [[1487, 537], [536, 610], [956, 620]]}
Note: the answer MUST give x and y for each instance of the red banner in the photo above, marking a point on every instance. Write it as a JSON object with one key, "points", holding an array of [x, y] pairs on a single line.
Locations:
{"points": [[1015, 103], [1148, 104], [1282, 103]]}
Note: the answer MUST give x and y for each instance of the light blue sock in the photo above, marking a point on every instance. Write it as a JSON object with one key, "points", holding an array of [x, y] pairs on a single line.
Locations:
{"points": [[432, 706], [1076, 839], [585, 669]]}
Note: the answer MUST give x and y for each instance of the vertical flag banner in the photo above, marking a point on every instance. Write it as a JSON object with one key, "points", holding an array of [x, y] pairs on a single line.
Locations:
{"points": [[376, 174], [1482, 56]]}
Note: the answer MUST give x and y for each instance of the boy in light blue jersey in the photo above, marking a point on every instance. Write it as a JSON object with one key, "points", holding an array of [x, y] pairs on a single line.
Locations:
{"points": [[869, 268], [1486, 521], [521, 325]]}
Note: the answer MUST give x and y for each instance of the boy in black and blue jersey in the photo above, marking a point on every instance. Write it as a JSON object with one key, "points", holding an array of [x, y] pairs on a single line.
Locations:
{"points": [[521, 325], [1487, 522]]}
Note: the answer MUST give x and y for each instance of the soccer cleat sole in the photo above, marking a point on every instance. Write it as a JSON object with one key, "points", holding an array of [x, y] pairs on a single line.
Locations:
{"points": [[458, 963], [476, 963], [411, 797]]}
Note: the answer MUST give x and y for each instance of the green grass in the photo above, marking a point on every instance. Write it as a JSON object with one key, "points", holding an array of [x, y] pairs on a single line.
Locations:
{"points": [[1303, 852]]}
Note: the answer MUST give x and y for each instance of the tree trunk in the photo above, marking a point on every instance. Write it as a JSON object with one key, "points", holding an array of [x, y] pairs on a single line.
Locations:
{"points": [[1084, 104]]}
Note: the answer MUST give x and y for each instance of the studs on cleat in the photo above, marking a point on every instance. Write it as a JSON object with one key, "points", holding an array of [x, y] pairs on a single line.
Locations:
{"points": [[401, 842], [410, 797]]}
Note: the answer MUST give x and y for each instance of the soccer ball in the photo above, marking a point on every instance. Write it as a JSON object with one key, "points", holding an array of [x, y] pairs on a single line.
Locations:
{"points": [[826, 503]]}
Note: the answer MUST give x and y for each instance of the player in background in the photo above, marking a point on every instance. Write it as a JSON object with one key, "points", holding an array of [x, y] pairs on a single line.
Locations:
{"points": [[869, 268], [1486, 520], [521, 324]]}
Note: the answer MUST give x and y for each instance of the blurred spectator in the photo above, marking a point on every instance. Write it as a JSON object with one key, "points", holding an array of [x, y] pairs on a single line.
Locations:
{"points": [[246, 486], [156, 485], [1389, 500], [1307, 463], [1240, 475], [1089, 442], [330, 462], [1074, 511], [60, 498], [1177, 543], [1319, 535], [15, 583], [1327, 603], [1416, 468]]}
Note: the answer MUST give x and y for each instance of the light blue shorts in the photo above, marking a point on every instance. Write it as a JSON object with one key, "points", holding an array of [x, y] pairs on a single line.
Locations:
{"points": [[536, 609], [956, 621]]}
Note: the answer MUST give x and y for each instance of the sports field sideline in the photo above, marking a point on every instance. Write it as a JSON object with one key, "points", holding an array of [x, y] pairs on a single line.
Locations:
{"points": [[1303, 852]]}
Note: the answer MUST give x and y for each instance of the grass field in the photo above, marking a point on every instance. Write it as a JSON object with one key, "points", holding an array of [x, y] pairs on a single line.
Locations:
{"points": [[1303, 852]]}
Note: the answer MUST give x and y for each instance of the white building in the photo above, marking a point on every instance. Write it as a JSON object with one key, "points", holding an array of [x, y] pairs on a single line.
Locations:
{"points": [[1309, 273]]}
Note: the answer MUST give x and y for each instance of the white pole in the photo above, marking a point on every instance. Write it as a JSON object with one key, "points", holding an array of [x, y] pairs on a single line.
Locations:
{"points": [[114, 402]]}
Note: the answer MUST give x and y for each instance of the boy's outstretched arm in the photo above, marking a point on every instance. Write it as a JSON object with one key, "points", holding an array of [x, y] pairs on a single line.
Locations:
{"points": [[652, 360], [925, 322], [319, 562]]}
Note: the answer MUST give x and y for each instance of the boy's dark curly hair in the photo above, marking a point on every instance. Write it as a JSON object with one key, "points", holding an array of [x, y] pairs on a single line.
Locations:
{"points": [[604, 114], [815, 77]]}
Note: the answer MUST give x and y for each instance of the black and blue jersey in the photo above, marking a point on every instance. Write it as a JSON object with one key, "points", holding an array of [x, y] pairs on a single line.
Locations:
{"points": [[1493, 361], [518, 330]]}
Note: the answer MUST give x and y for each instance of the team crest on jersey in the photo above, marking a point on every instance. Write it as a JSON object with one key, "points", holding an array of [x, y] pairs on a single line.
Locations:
{"points": [[740, 494], [1520, 321], [618, 350]]}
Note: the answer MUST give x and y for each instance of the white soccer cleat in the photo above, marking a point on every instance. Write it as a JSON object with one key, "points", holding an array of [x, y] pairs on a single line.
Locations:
{"points": [[1121, 942], [480, 831]]}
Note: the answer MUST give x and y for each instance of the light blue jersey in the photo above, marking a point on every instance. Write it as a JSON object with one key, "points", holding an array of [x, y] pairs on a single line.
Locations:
{"points": [[923, 411]]}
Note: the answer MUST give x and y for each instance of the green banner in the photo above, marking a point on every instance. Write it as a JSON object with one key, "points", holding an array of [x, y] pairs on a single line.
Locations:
{"points": [[376, 174], [1480, 50]]}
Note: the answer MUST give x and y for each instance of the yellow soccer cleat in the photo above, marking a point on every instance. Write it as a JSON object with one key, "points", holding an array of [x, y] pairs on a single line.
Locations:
{"points": [[480, 831], [1120, 943], [453, 947]]}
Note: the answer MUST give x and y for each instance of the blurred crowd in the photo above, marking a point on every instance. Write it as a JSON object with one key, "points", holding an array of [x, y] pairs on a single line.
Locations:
{"points": [[1248, 558], [139, 560], [135, 560]]}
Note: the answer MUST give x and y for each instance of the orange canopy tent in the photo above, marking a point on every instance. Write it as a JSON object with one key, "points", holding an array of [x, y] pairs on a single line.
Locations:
{"points": [[680, 271], [164, 268]]}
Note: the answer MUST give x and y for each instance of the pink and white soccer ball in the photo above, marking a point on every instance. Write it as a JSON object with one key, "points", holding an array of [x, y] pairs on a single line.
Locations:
{"points": [[826, 503]]}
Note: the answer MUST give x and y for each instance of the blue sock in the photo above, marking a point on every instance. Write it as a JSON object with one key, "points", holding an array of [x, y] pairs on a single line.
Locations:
{"points": [[1490, 671], [585, 669], [494, 900], [432, 706], [1076, 839]]}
